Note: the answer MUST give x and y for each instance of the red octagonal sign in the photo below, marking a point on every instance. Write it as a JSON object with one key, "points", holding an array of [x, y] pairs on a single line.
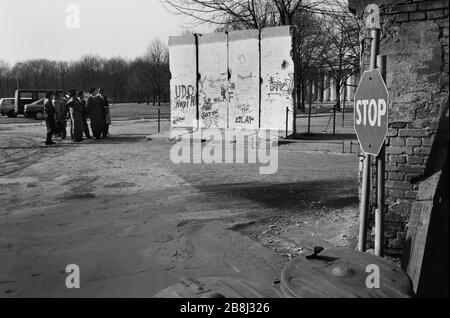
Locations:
{"points": [[371, 112]]}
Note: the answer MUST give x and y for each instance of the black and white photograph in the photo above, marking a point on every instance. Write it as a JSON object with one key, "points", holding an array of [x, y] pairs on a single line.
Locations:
{"points": [[227, 154]]}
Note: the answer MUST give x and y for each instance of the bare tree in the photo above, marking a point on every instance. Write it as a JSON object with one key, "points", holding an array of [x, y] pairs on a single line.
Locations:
{"points": [[342, 57], [310, 46], [153, 69], [239, 14]]}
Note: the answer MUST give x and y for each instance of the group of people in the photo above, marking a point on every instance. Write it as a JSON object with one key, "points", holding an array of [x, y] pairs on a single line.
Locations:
{"points": [[78, 109]]}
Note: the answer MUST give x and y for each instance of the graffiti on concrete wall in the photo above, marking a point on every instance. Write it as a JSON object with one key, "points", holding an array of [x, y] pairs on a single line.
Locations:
{"points": [[245, 80], [277, 69], [243, 56], [281, 86], [183, 82], [213, 95], [213, 80]]}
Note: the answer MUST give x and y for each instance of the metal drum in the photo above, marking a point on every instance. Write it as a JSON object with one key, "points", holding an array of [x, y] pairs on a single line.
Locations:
{"points": [[343, 273]]}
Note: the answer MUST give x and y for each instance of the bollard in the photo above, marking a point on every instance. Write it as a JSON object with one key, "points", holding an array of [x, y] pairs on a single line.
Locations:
{"points": [[159, 120], [334, 120], [287, 120]]}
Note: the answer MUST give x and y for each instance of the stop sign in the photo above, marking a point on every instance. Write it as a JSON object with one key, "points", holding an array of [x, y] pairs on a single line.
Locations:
{"points": [[371, 112]]}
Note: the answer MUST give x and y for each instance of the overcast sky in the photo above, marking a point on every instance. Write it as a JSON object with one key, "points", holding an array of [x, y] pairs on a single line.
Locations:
{"points": [[37, 28]]}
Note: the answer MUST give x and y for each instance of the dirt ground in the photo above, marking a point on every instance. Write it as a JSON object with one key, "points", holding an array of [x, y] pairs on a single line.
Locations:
{"points": [[136, 223]]}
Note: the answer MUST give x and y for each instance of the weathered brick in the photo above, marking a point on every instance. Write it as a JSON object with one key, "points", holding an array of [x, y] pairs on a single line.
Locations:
{"points": [[422, 151], [427, 142], [411, 168], [413, 125], [413, 141], [443, 23], [402, 17], [390, 199], [392, 132], [433, 5], [412, 177], [391, 167], [398, 185], [398, 194], [402, 208], [393, 220], [398, 124], [412, 133], [401, 8], [397, 141], [416, 16], [397, 159], [396, 176], [399, 150], [395, 244], [435, 14], [410, 194], [415, 160]]}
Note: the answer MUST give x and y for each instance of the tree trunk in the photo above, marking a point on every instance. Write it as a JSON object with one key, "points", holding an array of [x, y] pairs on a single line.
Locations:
{"points": [[303, 96], [338, 96]]}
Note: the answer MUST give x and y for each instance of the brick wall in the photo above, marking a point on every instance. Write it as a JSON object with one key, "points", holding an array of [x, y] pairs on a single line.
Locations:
{"points": [[415, 40]]}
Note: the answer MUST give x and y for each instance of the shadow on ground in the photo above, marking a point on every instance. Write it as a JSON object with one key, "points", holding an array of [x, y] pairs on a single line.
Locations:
{"points": [[290, 196]]}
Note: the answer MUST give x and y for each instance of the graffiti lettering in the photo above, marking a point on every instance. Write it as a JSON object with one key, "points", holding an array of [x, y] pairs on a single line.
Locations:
{"points": [[179, 103], [184, 96], [207, 114], [285, 86], [178, 119], [244, 119], [183, 91], [210, 118]]}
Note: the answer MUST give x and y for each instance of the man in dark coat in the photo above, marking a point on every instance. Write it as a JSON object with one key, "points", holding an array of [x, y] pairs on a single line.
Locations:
{"points": [[76, 115], [103, 101], [95, 113], [49, 114], [85, 115], [61, 110]]}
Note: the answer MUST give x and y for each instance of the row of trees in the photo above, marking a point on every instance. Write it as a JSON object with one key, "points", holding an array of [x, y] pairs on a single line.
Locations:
{"points": [[144, 79]]}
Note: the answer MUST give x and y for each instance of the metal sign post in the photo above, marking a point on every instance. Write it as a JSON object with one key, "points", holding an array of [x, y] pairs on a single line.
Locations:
{"points": [[373, 23], [379, 213]]}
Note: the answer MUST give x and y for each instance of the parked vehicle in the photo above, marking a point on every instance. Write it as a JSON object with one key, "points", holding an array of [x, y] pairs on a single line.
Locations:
{"points": [[35, 110], [7, 107], [23, 97]]}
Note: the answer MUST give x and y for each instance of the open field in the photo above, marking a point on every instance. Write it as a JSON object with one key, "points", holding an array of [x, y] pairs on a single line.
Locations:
{"points": [[320, 122]]}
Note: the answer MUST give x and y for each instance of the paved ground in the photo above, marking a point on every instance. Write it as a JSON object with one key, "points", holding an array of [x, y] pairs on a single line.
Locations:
{"points": [[135, 222]]}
